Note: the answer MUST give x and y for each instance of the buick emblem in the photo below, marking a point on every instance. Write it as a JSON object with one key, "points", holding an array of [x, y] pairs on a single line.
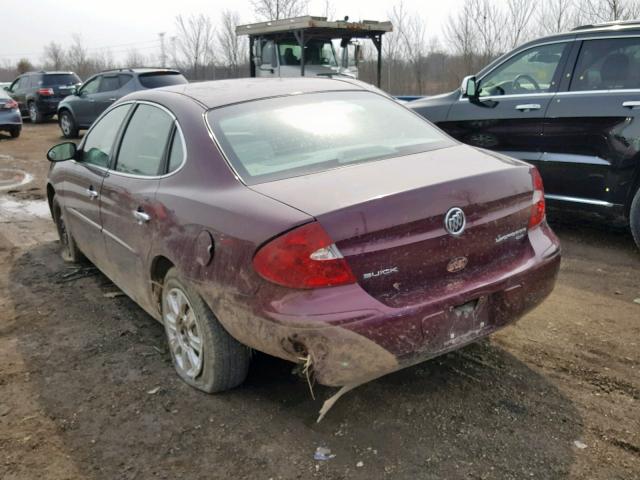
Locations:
{"points": [[455, 221]]}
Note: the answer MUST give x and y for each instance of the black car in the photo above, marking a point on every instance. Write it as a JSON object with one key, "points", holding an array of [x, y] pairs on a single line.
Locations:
{"points": [[39, 93], [570, 105], [77, 112]]}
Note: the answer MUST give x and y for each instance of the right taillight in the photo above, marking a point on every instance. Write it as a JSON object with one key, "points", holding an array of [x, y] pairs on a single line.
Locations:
{"points": [[304, 257], [538, 207]]}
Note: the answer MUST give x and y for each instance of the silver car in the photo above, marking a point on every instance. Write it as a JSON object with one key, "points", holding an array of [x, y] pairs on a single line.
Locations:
{"points": [[10, 118]]}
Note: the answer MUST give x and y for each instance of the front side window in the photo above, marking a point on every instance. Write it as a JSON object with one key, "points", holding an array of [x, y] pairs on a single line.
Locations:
{"points": [[284, 137], [144, 142], [267, 54], [99, 141], [91, 86], [533, 71], [608, 64], [109, 84]]}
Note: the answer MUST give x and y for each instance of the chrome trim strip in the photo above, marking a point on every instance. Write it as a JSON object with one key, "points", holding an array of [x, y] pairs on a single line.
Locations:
{"points": [[511, 96], [118, 241], [588, 201], [600, 92], [84, 218], [572, 158]]}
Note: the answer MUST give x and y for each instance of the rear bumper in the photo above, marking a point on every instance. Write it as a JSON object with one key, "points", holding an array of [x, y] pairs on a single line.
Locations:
{"points": [[10, 119], [351, 337], [48, 106]]}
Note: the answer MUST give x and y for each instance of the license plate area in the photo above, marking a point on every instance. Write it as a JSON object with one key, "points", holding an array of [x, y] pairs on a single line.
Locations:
{"points": [[456, 325]]}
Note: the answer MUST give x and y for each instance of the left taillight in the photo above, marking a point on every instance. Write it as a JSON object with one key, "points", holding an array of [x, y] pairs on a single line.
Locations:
{"points": [[304, 257], [9, 105], [538, 206]]}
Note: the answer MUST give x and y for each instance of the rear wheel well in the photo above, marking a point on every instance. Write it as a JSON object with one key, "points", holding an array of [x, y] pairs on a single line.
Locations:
{"points": [[51, 192], [159, 268]]}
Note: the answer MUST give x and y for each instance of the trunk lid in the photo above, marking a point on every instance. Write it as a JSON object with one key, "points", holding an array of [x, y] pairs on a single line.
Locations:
{"points": [[387, 218]]}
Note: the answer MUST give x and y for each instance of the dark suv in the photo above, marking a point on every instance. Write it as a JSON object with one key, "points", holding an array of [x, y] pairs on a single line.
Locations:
{"points": [[98, 92], [39, 93], [570, 105]]}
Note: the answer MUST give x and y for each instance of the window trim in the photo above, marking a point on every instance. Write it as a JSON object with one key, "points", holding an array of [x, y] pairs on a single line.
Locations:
{"points": [[582, 41], [561, 66], [120, 135]]}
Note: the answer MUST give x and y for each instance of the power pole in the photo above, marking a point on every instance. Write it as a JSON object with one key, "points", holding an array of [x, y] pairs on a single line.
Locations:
{"points": [[163, 53]]}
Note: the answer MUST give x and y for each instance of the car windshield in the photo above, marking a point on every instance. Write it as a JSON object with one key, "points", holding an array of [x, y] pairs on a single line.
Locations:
{"points": [[60, 79], [290, 136], [161, 79], [317, 52]]}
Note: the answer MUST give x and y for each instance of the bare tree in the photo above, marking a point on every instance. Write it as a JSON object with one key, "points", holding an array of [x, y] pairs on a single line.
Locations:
{"points": [[77, 57], [555, 16], [232, 47], [518, 21], [328, 10], [460, 32], [394, 43], [23, 65], [277, 9], [593, 11], [195, 36], [415, 45], [489, 22], [134, 59], [54, 57]]}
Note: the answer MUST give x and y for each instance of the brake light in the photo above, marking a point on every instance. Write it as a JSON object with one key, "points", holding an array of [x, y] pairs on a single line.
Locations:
{"points": [[10, 105], [45, 92], [538, 207], [305, 257]]}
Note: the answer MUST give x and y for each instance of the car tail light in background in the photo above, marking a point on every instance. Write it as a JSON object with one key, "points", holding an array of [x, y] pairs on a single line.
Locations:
{"points": [[45, 92], [538, 207], [304, 257], [9, 105]]}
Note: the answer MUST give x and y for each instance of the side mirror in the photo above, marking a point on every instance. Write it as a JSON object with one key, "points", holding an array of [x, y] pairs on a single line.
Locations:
{"points": [[62, 152], [469, 87], [358, 54], [274, 58], [7, 88]]}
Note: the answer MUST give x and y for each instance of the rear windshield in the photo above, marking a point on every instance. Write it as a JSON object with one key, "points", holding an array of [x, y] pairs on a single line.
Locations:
{"points": [[60, 79], [161, 79], [283, 137]]}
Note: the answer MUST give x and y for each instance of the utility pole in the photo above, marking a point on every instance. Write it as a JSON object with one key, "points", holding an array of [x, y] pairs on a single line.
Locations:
{"points": [[163, 53]]}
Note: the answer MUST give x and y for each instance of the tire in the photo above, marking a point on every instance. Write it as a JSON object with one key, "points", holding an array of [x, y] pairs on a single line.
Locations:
{"points": [[634, 218], [68, 124], [34, 114], [222, 362], [70, 252], [15, 132]]}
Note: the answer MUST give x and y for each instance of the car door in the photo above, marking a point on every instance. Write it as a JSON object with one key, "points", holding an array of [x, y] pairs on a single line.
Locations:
{"points": [[84, 108], [508, 113], [83, 183], [128, 195], [107, 94], [18, 90], [592, 130]]}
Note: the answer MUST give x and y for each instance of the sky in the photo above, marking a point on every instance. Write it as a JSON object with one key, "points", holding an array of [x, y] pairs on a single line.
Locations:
{"points": [[125, 24]]}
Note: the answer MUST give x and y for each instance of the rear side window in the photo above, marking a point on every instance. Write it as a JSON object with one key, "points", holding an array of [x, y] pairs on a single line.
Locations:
{"points": [[109, 84], [99, 141], [60, 79], [161, 79], [608, 64], [176, 156], [124, 79], [144, 142], [296, 135]]}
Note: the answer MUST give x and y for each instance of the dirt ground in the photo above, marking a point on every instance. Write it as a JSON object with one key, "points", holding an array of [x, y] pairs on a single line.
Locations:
{"points": [[87, 390]]}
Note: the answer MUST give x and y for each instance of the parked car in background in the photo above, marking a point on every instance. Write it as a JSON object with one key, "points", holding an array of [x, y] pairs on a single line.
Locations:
{"points": [[5, 85], [569, 104], [78, 111], [307, 218], [10, 118], [38, 93]]}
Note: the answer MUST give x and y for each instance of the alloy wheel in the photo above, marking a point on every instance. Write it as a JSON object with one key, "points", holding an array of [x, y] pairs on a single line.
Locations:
{"points": [[185, 340], [65, 124]]}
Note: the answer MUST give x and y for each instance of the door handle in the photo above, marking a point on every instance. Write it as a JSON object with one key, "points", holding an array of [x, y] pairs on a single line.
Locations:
{"points": [[92, 193], [631, 104], [141, 216], [528, 107]]}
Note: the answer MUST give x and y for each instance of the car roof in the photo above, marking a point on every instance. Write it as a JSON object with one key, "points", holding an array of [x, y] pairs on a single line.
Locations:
{"points": [[217, 93], [140, 70], [50, 73], [619, 28]]}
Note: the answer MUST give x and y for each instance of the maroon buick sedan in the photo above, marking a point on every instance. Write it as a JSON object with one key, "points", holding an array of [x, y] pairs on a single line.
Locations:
{"points": [[313, 219]]}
